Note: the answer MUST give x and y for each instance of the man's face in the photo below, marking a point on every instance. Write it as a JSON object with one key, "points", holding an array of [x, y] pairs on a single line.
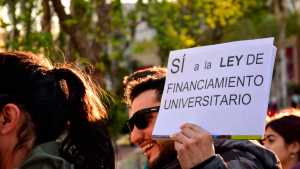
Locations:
{"points": [[143, 137]]}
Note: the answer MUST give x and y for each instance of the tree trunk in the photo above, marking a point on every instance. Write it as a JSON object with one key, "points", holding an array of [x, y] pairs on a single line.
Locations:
{"points": [[14, 34], [46, 20], [281, 14], [298, 58], [26, 10], [78, 38]]}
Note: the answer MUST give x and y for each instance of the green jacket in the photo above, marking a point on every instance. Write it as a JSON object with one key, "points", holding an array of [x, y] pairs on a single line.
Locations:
{"points": [[46, 156]]}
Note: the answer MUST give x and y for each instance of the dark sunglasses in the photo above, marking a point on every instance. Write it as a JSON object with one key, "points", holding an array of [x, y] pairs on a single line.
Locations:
{"points": [[141, 118]]}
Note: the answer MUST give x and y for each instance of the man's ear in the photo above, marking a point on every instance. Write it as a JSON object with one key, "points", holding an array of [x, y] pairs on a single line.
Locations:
{"points": [[9, 118]]}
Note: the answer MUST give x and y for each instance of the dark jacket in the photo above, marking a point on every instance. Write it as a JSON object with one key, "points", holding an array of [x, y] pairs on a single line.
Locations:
{"points": [[46, 156], [236, 155]]}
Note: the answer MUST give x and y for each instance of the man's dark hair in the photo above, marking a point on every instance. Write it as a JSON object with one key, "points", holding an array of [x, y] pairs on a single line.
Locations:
{"points": [[142, 80]]}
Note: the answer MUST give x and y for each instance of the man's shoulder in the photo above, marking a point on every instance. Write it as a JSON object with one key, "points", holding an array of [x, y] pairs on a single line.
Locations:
{"points": [[245, 154]]}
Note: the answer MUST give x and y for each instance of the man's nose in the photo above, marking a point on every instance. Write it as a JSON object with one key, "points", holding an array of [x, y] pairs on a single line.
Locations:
{"points": [[136, 135]]}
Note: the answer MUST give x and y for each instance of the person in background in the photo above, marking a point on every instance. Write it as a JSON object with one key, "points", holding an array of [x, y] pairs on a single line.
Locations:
{"points": [[50, 117], [282, 136], [295, 101], [193, 147]]}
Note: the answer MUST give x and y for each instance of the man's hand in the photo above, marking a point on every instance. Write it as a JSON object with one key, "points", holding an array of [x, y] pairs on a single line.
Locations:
{"points": [[193, 144]]}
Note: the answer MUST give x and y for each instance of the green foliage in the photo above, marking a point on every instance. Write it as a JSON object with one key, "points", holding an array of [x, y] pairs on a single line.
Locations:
{"points": [[293, 24], [117, 117], [257, 26], [144, 46], [21, 32], [70, 22], [94, 32], [184, 23], [100, 66]]}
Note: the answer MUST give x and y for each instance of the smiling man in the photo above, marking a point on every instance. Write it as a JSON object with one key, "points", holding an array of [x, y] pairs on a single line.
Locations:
{"points": [[193, 147]]}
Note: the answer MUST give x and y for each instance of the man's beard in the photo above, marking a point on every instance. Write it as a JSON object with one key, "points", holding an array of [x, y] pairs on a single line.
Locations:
{"points": [[167, 155]]}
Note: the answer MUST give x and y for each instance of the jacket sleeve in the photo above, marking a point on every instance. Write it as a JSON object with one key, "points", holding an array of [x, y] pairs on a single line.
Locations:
{"points": [[240, 155], [233, 161], [215, 162]]}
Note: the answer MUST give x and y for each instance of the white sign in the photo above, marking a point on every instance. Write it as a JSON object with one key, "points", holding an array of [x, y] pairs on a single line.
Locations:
{"points": [[223, 88]]}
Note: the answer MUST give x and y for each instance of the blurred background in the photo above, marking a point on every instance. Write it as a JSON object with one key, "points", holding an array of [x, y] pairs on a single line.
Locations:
{"points": [[111, 38]]}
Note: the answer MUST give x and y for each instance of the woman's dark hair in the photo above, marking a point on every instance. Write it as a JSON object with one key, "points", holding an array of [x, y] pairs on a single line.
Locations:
{"points": [[288, 127], [57, 100]]}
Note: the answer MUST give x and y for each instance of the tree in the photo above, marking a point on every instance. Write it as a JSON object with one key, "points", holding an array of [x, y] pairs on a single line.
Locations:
{"points": [[184, 24], [88, 32], [285, 12], [188, 23]]}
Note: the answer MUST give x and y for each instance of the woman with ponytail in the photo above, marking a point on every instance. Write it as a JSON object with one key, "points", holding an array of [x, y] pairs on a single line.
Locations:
{"points": [[50, 117]]}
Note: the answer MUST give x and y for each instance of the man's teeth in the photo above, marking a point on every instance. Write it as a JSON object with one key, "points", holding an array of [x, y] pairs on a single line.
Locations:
{"points": [[148, 146]]}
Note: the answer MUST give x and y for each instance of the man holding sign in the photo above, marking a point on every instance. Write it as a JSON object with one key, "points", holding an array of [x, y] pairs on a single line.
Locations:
{"points": [[192, 147]]}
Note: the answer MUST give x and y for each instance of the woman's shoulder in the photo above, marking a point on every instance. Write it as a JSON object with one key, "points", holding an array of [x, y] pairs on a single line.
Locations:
{"points": [[46, 156], [297, 166]]}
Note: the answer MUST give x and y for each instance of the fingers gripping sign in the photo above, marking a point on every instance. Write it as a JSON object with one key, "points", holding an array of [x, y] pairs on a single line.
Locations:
{"points": [[193, 144]]}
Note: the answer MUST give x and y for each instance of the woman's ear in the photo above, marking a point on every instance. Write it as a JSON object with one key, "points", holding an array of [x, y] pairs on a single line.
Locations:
{"points": [[294, 147], [10, 117]]}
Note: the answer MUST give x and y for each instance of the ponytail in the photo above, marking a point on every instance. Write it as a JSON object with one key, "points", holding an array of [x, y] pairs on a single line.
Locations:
{"points": [[87, 143], [57, 101], [82, 96]]}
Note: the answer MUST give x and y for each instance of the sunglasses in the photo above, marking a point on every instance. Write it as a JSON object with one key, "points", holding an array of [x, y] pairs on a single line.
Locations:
{"points": [[141, 118]]}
